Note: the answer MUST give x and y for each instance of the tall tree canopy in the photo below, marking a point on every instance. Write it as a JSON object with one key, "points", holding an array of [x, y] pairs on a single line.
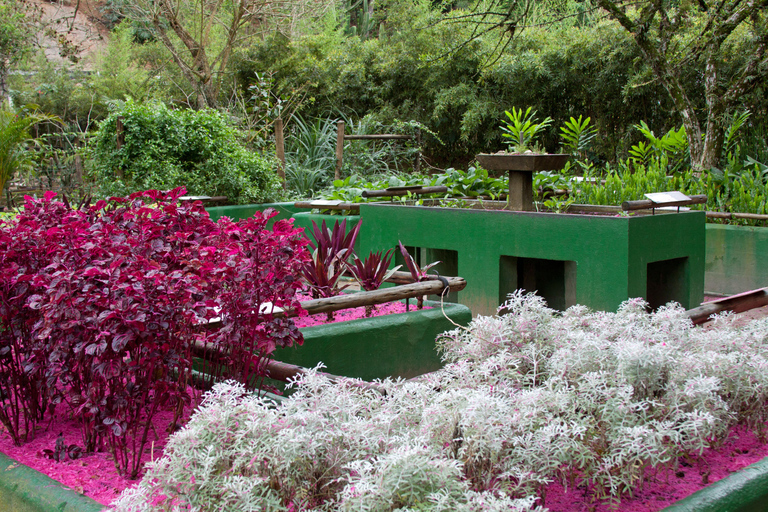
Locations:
{"points": [[201, 35], [675, 37], [14, 40]]}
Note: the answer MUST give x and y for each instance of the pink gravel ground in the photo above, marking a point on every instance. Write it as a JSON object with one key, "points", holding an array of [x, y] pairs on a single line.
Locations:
{"points": [[664, 487], [94, 475]]}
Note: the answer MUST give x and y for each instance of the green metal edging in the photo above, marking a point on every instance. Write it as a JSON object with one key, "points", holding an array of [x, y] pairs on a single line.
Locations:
{"points": [[22, 489], [744, 491]]}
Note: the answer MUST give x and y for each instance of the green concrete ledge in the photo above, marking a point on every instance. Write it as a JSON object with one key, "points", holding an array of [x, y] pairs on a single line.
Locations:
{"points": [[743, 491], [22, 489], [399, 345], [244, 211]]}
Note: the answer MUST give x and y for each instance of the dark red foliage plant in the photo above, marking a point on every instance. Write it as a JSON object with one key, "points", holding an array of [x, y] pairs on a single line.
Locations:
{"points": [[332, 250], [372, 272], [115, 307], [418, 273]]}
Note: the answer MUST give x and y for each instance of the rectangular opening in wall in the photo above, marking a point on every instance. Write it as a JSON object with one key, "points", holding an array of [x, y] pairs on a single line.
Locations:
{"points": [[448, 266], [667, 281], [554, 280]]}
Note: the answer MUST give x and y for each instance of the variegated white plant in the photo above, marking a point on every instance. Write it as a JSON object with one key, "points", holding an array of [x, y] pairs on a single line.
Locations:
{"points": [[589, 399]]}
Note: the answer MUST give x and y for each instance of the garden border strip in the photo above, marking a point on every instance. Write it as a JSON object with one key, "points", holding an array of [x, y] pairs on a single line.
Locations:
{"points": [[743, 491], [23, 489]]}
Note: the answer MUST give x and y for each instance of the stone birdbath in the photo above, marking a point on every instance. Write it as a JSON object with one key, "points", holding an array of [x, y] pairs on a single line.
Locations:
{"points": [[521, 167]]}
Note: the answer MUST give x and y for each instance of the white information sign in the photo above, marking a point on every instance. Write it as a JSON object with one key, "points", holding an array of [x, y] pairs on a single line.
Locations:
{"points": [[667, 197]]}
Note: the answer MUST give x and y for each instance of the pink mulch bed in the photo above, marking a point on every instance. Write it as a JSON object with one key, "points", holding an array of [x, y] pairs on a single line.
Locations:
{"points": [[95, 474], [667, 485]]}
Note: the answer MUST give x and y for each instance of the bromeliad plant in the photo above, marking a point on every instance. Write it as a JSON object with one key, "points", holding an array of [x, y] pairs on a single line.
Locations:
{"points": [[101, 308], [372, 272], [332, 249]]}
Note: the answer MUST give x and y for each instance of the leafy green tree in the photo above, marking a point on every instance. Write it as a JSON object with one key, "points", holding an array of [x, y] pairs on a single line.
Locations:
{"points": [[675, 35], [160, 148], [201, 36], [14, 134], [14, 40]]}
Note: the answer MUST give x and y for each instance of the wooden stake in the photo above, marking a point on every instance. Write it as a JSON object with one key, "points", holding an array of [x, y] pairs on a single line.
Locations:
{"points": [[280, 148], [339, 149]]}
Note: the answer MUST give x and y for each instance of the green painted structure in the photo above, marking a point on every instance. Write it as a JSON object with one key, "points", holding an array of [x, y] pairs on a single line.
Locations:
{"points": [[236, 212], [595, 260], [743, 491], [22, 489], [737, 259], [401, 345]]}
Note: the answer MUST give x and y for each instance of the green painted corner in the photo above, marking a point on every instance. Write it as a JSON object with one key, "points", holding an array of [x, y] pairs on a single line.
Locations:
{"points": [[743, 491], [595, 260], [22, 489], [400, 345], [237, 212]]}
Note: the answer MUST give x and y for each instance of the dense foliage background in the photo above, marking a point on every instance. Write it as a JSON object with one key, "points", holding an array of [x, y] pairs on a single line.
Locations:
{"points": [[395, 66]]}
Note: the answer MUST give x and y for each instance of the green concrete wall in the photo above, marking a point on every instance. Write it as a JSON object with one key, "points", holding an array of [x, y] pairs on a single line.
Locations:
{"points": [[737, 259], [401, 345], [605, 259], [22, 489], [244, 211], [743, 491]]}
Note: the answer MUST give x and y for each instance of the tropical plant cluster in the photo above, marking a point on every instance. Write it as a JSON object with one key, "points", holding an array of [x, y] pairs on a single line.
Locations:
{"points": [[102, 305], [593, 400], [334, 258], [310, 151]]}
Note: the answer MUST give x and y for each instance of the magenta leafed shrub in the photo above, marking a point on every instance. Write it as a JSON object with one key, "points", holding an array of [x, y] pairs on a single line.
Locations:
{"points": [[101, 308]]}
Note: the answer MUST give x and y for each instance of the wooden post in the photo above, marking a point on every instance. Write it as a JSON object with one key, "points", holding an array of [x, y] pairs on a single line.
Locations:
{"points": [[339, 149], [79, 170], [520, 191], [417, 165], [735, 303], [119, 130], [280, 147]]}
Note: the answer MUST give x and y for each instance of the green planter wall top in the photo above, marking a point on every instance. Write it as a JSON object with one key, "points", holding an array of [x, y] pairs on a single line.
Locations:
{"points": [[595, 260], [22, 489], [244, 211]]}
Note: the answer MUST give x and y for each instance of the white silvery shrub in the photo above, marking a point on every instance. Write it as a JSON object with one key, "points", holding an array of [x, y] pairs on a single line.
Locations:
{"points": [[526, 398]]}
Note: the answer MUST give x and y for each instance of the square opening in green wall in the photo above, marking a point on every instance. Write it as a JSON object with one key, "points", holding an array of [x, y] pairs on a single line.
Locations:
{"points": [[667, 281], [554, 280]]}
